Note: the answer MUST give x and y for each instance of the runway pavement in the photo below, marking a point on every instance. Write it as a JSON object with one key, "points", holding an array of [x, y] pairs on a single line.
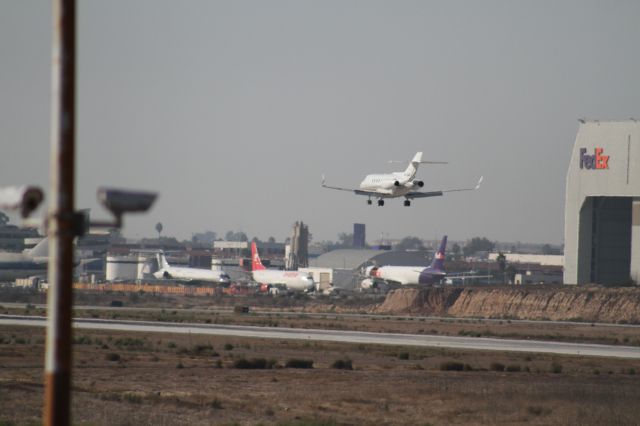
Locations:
{"points": [[471, 343]]}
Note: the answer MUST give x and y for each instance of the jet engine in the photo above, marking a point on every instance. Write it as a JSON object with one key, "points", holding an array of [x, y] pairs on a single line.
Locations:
{"points": [[419, 183]]}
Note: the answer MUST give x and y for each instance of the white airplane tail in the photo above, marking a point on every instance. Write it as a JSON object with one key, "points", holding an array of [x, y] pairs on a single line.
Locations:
{"points": [[162, 261], [412, 168], [41, 249]]}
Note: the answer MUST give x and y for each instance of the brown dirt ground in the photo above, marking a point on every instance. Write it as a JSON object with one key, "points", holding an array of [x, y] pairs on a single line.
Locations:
{"points": [[190, 379]]}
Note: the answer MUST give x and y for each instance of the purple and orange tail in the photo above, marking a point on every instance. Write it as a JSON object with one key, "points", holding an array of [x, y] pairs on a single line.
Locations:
{"points": [[438, 259]]}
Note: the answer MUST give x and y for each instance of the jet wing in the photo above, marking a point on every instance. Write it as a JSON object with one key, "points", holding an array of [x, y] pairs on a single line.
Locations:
{"points": [[418, 194], [355, 191]]}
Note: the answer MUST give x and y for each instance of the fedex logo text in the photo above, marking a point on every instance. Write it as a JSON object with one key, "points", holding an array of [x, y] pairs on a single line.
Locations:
{"points": [[596, 161]]}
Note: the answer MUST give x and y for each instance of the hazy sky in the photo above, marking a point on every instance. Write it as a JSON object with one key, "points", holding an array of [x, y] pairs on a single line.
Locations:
{"points": [[233, 110]]}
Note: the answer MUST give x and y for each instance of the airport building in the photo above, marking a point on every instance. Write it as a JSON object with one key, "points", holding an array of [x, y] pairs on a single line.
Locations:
{"points": [[602, 205]]}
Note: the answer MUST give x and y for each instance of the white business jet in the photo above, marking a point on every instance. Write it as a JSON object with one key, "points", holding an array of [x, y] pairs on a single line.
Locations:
{"points": [[398, 184]]}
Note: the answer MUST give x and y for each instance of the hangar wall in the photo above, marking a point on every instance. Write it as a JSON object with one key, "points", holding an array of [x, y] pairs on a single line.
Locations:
{"points": [[602, 204]]}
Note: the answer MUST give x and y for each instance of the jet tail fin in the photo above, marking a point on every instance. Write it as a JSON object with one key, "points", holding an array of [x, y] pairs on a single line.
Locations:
{"points": [[438, 259], [162, 260], [256, 263], [41, 249]]}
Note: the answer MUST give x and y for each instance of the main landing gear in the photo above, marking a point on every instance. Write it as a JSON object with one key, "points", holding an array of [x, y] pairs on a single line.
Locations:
{"points": [[407, 203], [381, 202]]}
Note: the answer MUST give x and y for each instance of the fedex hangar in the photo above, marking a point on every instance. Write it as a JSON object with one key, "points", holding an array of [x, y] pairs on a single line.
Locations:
{"points": [[602, 204]]}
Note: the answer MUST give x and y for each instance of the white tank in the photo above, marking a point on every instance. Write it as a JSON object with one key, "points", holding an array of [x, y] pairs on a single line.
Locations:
{"points": [[122, 268]]}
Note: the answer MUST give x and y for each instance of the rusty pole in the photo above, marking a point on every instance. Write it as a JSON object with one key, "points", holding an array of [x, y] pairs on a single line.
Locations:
{"points": [[60, 229]]}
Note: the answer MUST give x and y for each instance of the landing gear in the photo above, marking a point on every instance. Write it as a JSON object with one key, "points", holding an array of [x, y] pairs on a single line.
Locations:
{"points": [[381, 203], [407, 203], [369, 201]]}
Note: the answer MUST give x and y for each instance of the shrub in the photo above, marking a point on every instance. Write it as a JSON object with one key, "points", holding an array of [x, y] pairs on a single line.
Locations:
{"points": [[342, 364], [556, 368], [536, 410], [112, 357], [452, 366], [202, 348], [515, 368], [403, 355], [299, 363], [254, 364], [132, 398], [228, 347], [82, 340], [496, 366], [180, 365]]}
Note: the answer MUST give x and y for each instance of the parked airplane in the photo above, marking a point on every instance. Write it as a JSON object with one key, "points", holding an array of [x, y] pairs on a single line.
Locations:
{"points": [[291, 280], [398, 184], [167, 271], [26, 264], [405, 275]]}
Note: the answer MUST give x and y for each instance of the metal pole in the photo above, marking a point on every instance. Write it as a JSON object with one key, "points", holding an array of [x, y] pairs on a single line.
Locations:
{"points": [[60, 228]]}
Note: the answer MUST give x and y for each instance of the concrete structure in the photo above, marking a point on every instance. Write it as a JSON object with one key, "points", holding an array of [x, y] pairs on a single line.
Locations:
{"points": [[359, 235], [298, 253], [602, 209]]}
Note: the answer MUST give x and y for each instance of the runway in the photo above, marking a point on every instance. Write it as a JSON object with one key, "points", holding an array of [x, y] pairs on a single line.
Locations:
{"points": [[433, 341]]}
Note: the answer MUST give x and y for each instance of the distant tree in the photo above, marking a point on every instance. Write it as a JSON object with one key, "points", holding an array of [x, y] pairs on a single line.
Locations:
{"points": [[410, 243], [502, 261], [236, 236], [255, 240], [271, 240], [345, 240], [4, 219], [207, 237], [548, 249], [477, 244]]}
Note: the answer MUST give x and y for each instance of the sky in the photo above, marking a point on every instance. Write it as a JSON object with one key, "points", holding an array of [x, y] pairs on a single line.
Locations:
{"points": [[233, 110]]}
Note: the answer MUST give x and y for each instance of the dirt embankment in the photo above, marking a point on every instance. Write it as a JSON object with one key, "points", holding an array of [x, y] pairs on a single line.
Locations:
{"points": [[587, 304]]}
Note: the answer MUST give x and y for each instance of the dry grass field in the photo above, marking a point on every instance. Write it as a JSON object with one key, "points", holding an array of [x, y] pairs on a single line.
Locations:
{"points": [[132, 378]]}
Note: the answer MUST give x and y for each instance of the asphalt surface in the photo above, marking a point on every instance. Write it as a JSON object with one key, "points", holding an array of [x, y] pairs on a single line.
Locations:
{"points": [[470, 343]]}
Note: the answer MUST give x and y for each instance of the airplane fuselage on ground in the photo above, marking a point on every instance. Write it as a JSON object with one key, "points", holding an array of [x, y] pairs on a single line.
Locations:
{"points": [[189, 274], [407, 275], [292, 280]]}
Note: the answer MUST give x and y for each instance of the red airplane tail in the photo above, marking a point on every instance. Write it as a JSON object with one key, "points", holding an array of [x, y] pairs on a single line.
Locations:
{"points": [[256, 263]]}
